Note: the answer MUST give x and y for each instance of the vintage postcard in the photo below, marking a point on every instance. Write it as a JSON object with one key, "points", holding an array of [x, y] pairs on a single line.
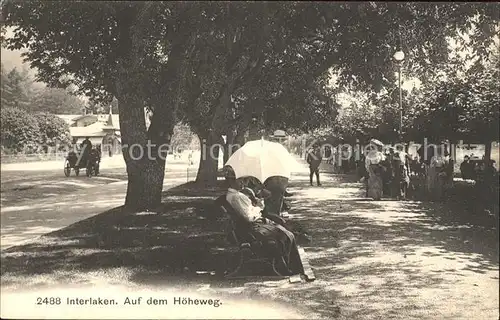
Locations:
{"points": [[249, 160]]}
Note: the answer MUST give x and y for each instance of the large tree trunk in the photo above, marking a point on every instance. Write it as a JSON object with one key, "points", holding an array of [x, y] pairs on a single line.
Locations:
{"points": [[209, 160], [254, 133], [228, 146], [210, 147], [487, 150], [145, 169], [239, 139], [145, 161], [145, 184]]}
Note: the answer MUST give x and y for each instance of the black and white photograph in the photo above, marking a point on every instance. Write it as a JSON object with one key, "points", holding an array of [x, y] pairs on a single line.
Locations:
{"points": [[249, 160]]}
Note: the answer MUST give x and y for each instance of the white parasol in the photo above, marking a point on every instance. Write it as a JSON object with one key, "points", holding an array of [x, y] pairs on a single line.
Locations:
{"points": [[262, 159]]}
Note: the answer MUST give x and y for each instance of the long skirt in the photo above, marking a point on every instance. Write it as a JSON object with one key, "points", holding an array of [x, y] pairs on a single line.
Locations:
{"points": [[435, 183], [400, 183], [286, 241], [375, 183], [277, 186]]}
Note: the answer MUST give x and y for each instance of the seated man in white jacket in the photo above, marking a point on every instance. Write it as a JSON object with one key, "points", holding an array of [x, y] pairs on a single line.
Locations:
{"points": [[242, 205]]}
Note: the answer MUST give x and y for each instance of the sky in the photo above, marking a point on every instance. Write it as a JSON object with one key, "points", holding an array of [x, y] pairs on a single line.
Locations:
{"points": [[12, 59]]}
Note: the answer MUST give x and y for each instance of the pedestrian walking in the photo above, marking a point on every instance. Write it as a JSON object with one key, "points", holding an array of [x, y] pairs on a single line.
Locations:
{"points": [[373, 162], [437, 173], [328, 155], [401, 180], [190, 157], [345, 159], [314, 158], [388, 176]]}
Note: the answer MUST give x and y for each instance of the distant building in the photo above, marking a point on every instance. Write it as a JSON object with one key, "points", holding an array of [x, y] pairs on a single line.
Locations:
{"points": [[278, 136], [281, 137], [92, 125], [102, 129]]}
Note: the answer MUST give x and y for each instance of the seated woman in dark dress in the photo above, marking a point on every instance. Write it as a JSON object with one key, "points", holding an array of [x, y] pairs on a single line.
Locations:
{"points": [[253, 215]]}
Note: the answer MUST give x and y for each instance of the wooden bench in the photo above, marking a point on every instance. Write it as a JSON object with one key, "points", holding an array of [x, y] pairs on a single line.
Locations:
{"points": [[257, 257]]}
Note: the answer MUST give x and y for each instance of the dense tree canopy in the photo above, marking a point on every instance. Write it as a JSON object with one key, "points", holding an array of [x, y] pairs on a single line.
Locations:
{"points": [[24, 132], [16, 90], [456, 99], [20, 131], [56, 101], [54, 132], [19, 91], [458, 106]]}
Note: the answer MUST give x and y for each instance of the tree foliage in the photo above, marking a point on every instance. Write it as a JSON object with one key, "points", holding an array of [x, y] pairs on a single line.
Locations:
{"points": [[16, 90], [20, 131], [193, 58], [87, 45], [302, 41], [459, 105], [56, 101], [358, 118], [182, 138], [54, 131], [449, 104]]}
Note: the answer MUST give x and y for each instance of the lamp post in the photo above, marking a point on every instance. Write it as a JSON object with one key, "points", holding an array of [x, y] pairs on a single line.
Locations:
{"points": [[254, 131], [399, 56]]}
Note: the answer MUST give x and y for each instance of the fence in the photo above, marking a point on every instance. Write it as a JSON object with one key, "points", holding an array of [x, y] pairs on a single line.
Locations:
{"points": [[10, 158]]}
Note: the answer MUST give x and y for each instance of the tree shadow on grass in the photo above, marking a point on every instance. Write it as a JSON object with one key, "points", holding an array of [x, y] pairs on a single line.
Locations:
{"points": [[193, 189], [175, 241]]}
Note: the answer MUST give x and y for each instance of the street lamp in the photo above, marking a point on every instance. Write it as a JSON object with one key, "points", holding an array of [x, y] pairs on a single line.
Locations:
{"points": [[399, 56], [253, 131]]}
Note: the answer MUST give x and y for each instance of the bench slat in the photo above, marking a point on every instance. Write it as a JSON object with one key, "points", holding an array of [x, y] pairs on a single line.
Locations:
{"points": [[308, 272]]}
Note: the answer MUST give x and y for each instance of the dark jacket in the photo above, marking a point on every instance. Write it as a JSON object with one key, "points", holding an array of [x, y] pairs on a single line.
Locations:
{"points": [[86, 145], [314, 158]]}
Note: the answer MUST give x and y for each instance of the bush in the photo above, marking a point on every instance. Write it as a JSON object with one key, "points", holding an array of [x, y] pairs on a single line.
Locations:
{"points": [[54, 131], [23, 132], [20, 131]]}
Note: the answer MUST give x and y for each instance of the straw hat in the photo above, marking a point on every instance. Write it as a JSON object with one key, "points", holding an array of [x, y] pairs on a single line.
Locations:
{"points": [[377, 142], [249, 192]]}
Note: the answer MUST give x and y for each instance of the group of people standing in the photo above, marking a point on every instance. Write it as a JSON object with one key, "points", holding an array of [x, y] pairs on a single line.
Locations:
{"points": [[394, 173], [387, 174], [390, 172]]}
